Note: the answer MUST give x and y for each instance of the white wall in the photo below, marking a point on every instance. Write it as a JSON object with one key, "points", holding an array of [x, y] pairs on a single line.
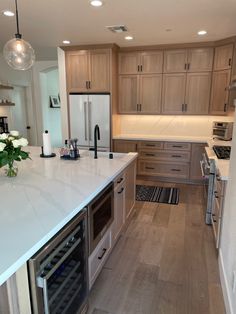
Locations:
{"points": [[227, 256], [169, 125], [51, 116]]}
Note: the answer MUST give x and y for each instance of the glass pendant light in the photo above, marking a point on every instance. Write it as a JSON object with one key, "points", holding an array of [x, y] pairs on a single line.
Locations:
{"points": [[17, 52]]}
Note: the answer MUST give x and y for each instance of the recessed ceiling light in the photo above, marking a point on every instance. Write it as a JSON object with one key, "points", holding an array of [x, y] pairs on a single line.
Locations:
{"points": [[96, 3], [8, 13], [202, 32], [129, 37], [66, 42]]}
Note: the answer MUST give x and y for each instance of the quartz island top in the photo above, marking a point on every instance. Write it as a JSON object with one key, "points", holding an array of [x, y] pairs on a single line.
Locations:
{"points": [[44, 197]]}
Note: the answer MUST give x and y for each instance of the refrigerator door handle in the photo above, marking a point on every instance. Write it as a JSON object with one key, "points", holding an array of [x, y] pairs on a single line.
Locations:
{"points": [[89, 120], [85, 121]]}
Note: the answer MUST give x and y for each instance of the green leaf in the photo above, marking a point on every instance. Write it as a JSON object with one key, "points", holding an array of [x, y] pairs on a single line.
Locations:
{"points": [[24, 155]]}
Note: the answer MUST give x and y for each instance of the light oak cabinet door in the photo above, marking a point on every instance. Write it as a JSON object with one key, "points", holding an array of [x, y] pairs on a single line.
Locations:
{"points": [[77, 64], [198, 88], [128, 93], [123, 146], [173, 93], [196, 155], [119, 208], [99, 71], [223, 57], [129, 63], [150, 93], [130, 188], [200, 59], [175, 61], [219, 92], [151, 62]]}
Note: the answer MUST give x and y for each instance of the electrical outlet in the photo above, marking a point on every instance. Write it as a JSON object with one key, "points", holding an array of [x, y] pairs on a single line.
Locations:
{"points": [[234, 281]]}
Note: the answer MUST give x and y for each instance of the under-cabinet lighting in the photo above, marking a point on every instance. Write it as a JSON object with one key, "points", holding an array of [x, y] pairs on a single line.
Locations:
{"points": [[8, 13], [67, 42], [202, 32], [129, 37]]}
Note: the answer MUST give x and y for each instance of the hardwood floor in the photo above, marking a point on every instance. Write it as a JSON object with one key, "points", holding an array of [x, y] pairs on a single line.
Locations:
{"points": [[164, 263]]}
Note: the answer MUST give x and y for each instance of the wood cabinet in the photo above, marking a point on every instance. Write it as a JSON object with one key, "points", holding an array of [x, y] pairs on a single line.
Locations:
{"points": [[219, 93], [123, 146], [223, 57], [144, 62], [196, 155], [88, 70], [140, 93], [188, 60], [186, 93], [197, 96], [173, 93], [130, 188]]}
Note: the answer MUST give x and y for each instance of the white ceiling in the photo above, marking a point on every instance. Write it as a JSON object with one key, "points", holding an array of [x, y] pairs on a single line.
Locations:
{"points": [[45, 23]]}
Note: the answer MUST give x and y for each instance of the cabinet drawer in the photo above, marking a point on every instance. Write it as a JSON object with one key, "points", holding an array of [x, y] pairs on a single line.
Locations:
{"points": [[164, 169], [154, 145], [98, 257], [119, 180], [177, 146], [163, 155]]}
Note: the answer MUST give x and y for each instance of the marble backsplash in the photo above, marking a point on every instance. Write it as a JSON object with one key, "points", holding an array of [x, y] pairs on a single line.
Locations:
{"points": [[169, 125]]}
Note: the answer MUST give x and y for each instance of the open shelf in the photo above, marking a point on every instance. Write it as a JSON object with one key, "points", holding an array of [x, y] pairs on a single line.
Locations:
{"points": [[7, 104], [5, 86]]}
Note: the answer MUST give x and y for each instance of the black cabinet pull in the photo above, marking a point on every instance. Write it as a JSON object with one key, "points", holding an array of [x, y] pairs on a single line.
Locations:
{"points": [[176, 170], [140, 107], [150, 145], [138, 68], [149, 168], [177, 146], [186, 107], [28, 127], [89, 84], [230, 60], [176, 156], [141, 68], [149, 154], [121, 191], [225, 107], [120, 180], [185, 66], [103, 253], [182, 107]]}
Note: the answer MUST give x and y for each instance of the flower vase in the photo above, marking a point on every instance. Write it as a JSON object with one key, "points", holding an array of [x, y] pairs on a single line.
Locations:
{"points": [[11, 170]]}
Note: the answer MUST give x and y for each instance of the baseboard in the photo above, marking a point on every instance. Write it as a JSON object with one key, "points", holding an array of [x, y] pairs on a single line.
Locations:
{"points": [[224, 285]]}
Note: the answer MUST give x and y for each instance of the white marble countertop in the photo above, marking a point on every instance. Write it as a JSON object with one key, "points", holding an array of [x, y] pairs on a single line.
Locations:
{"points": [[221, 164], [44, 197], [168, 138]]}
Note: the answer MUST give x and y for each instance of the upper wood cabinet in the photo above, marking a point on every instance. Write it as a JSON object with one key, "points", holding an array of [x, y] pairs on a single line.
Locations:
{"points": [[175, 61], [173, 93], [197, 96], [88, 70], [140, 93], [188, 60], [145, 62], [223, 57], [219, 92]]}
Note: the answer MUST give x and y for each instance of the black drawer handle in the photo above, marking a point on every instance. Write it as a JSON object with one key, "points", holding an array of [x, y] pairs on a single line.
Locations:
{"points": [[177, 170], [121, 191], [177, 146], [149, 154], [149, 168], [120, 180], [150, 145], [230, 61], [176, 156], [103, 253], [216, 194]]}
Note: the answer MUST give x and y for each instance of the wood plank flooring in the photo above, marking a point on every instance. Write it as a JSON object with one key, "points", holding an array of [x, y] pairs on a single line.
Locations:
{"points": [[164, 263]]}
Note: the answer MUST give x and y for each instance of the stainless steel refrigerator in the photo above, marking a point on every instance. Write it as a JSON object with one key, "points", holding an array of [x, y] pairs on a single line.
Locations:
{"points": [[85, 112]]}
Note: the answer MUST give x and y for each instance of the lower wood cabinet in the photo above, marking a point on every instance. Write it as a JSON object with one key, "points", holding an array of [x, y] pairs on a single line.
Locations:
{"points": [[165, 160], [130, 190]]}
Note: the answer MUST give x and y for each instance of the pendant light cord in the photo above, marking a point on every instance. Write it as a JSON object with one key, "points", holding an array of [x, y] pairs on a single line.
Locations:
{"points": [[18, 35]]}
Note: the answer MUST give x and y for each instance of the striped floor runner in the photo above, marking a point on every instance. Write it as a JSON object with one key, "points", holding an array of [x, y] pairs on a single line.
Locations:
{"points": [[146, 193]]}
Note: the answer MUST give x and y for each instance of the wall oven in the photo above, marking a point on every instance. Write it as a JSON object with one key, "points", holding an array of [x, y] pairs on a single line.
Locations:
{"points": [[58, 273], [101, 215]]}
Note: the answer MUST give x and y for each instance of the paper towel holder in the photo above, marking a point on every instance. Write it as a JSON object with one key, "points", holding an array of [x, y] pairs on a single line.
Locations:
{"points": [[47, 156]]}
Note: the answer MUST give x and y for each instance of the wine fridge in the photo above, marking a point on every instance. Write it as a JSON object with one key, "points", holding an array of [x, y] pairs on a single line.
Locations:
{"points": [[58, 272]]}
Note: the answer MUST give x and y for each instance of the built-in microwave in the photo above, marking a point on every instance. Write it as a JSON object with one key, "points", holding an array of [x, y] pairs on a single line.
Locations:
{"points": [[100, 215], [222, 130]]}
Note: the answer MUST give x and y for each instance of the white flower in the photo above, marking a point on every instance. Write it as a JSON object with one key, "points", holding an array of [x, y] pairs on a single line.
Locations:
{"points": [[23, 142], [16, 143], [2, 146], [3, 136], [10, 138], [14, 133]]}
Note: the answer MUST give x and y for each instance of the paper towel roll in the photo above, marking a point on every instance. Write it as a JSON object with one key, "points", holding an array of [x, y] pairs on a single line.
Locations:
{"points": [[47, 148]]}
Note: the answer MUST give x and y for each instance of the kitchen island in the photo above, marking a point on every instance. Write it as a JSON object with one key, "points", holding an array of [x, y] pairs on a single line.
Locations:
{"points": [[45, 196]]}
